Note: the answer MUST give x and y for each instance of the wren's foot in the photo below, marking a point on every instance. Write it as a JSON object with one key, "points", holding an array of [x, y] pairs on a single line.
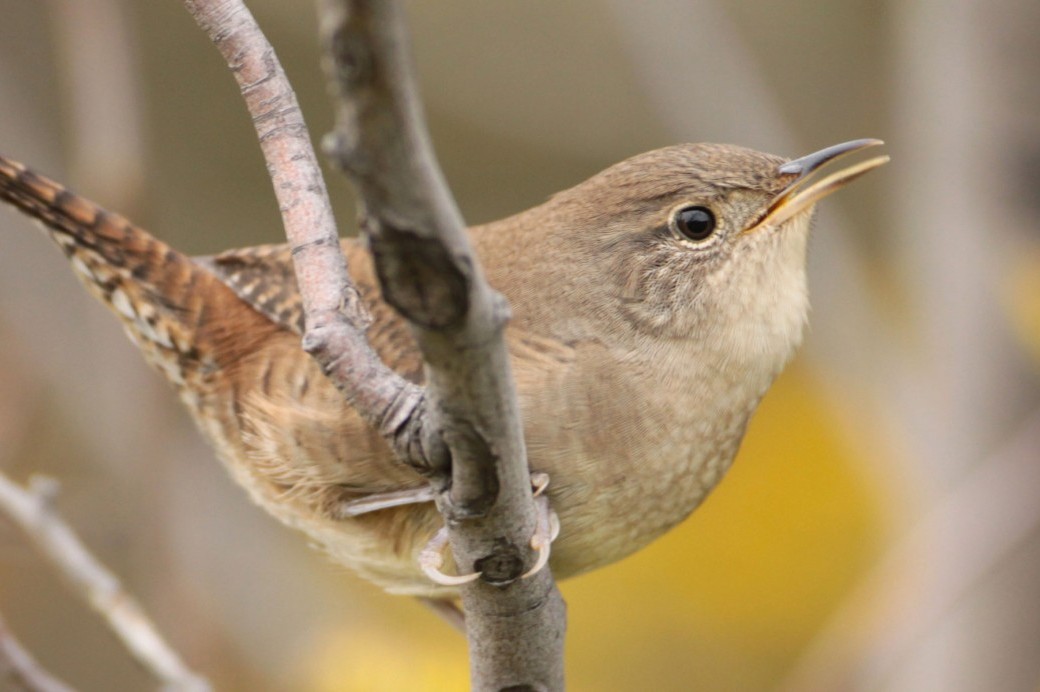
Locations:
{"points": [[547, 528], [539, 482], [376, 502], [431, 559]]}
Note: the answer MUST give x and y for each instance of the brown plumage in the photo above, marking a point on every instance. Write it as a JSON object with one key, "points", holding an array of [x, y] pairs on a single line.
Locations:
{"points": [[639, 353]]}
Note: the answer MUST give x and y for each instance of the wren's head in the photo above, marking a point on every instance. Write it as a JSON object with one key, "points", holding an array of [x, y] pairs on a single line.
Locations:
{"points": [[703, 244]]}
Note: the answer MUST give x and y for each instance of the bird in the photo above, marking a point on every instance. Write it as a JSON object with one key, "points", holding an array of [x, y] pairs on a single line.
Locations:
{"points": [[652, 307]]}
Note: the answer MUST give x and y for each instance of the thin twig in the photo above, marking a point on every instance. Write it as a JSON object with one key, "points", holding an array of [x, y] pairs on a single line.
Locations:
{"points": [[31, 509], [20, 669]]}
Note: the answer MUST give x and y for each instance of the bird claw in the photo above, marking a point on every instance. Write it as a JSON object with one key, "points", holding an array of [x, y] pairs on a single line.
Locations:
{"points": [[431, 560], [547, 528], [539, 482]]}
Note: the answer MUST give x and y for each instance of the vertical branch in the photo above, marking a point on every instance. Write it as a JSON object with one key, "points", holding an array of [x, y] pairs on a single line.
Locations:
{"points": [[429, 274], [466, 422], [99, 70]]}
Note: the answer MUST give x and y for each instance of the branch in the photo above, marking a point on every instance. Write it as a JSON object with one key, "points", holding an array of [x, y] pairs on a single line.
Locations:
{"points": [[21, 670], [33, 512], [990, 514], [466, 422], [335, 314], [428, 272]]}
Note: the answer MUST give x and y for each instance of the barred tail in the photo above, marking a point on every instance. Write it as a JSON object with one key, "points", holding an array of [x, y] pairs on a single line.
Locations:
{"points": [[151, 287]]}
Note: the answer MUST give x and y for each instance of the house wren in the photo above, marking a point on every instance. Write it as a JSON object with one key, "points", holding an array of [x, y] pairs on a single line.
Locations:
{"points": [[653, 305]]}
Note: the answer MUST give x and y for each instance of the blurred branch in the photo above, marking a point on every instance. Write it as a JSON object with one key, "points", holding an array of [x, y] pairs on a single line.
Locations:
{"points": [[991, 512], [98, 64], [972, 381], [930, 611], [32, 511], [20, 669]]}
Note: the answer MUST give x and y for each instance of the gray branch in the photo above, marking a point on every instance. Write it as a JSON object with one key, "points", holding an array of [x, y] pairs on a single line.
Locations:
{"points": [[20, 669], [335, 315], [990, 514], [32, 511], [429, 273], [464, 427]]}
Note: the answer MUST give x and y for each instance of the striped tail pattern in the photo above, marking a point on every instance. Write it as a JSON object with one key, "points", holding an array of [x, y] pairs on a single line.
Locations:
{"points": [[155, 291]]}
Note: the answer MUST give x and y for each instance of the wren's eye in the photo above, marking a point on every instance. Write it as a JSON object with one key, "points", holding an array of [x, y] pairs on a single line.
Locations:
{"points": [[694, 223]]}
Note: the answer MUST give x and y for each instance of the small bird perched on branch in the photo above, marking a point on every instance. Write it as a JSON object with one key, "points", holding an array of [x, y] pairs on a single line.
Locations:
{"points": [[653, 305]]}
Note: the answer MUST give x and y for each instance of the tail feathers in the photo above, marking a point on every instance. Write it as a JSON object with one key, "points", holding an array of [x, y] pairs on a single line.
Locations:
{"points": [[149, 285]]}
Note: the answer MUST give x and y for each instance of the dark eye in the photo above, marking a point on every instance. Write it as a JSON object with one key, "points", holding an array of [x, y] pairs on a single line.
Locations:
{"points": [[695, 223]]}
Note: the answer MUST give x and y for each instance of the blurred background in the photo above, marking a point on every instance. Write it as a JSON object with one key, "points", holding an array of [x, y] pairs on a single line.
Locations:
{"points": [[880, 527]]}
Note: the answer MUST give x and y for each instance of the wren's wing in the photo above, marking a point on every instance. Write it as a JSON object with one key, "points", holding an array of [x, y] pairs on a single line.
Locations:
{"points": [[263, 277], [325, 427], [303, 437]]}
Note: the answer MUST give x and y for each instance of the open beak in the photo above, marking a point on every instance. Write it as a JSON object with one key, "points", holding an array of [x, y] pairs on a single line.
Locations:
{"points": [[803, 193]]}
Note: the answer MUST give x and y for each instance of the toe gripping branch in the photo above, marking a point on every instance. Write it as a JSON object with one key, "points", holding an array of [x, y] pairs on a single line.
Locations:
{"points": [[547, 527]]}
